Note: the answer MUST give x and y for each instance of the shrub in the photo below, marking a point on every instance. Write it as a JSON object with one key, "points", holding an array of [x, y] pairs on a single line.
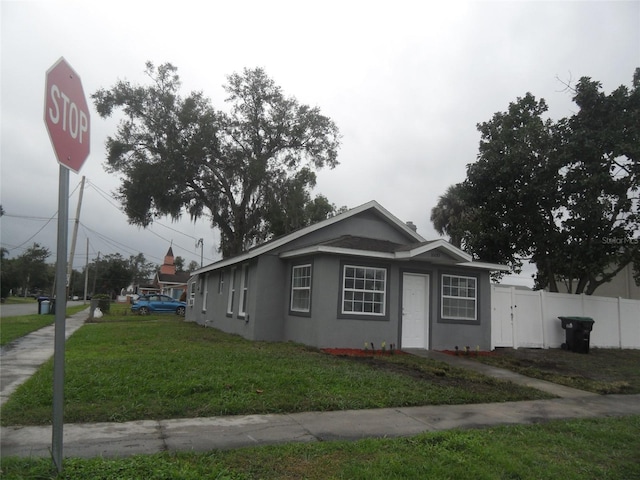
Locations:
{"points": [[104, 302]]}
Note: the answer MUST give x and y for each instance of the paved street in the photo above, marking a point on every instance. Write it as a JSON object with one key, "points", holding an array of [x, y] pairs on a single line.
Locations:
{"points": [[13, 310]]}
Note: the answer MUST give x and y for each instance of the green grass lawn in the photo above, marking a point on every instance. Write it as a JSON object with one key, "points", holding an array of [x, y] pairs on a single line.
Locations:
{"points": [[571, 450], [19, 300], [16, 327], [131, 368]]}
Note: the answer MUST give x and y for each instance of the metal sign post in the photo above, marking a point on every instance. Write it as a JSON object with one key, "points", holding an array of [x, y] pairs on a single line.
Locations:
{"points": [[66, 115], [61, 313]]}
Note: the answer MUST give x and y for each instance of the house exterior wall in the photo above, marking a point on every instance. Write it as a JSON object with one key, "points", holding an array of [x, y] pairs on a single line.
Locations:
{"points": [[622, 285], [268, 302], [269, 316], [325, 326], [446, 334]]}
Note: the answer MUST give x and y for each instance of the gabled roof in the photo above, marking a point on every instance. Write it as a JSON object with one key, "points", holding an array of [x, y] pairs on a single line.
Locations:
{"points": [[279, 242], [373, 248], [175, 278], [359, 246]]}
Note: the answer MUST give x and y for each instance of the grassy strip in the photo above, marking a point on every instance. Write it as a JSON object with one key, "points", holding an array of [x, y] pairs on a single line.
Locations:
{"points": [[19, 300], [604, 371], [162, 367], [577, 449], [12, 328]]}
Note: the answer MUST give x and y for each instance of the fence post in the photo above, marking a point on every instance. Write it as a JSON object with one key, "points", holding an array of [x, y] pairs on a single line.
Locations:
{"points": [[514, 317], [619, 322], [543, 319]]}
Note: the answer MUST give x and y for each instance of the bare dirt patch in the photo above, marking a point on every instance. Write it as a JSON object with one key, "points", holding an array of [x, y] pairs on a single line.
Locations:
{"points": [[600, 371]]}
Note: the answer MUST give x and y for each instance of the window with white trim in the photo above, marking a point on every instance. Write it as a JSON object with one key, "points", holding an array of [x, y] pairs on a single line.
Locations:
{"points": [[459, 297], [301, 288], [192, 293], [244, 288], [220, 282], [205, 292], [364, 290], [232, 291]]}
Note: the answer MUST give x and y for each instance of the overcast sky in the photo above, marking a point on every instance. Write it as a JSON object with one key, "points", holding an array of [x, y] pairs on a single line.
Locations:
{"points": [[405, 81]]}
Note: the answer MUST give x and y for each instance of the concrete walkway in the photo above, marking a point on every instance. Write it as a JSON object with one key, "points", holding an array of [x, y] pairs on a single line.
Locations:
{"points": [[204, 434], [23, 357]]}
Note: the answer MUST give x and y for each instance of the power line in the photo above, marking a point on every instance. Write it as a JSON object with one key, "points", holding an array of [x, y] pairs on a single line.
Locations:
{"points": [[32, 236], [48, 220], [108, 197]]}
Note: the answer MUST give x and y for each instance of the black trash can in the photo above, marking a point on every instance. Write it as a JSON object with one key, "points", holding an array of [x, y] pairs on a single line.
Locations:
{"points": [[578, 333]]}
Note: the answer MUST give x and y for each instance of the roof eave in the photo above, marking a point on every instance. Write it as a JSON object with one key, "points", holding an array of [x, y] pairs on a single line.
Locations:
{"points": [[259, 250], [495, 267]]}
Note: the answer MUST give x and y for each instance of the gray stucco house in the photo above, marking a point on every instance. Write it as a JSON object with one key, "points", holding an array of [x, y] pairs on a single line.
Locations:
{"points": [[361, 276]]}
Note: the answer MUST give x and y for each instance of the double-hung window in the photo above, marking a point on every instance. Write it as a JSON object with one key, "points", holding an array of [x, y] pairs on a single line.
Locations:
{"points": [[364, 290], [192, 293], [232, 292], [301, 288], [244, 288], [459, 297], [205, 291], [220, 282]]}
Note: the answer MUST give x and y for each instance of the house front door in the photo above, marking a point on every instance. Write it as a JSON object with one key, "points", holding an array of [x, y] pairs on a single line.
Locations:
{"points": [[415, 311]]}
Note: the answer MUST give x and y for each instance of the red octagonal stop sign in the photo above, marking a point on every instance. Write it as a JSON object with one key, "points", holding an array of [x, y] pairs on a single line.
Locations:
{"points": [[66, 115]]}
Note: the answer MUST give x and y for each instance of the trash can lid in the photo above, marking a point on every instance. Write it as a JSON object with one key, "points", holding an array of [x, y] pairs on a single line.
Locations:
{"points": [[578, 319]]}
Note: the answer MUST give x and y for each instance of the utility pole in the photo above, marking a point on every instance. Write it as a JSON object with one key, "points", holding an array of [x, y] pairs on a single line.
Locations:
{"points": [[73, 239], [86, 274], [200, 243], [95, 275]]}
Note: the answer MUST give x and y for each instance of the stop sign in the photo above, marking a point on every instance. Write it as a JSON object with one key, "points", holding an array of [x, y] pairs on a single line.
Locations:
{"points": [[66, 115]]}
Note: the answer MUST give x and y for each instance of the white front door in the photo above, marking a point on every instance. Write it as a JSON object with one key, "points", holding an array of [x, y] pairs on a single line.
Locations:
{"points": [[415, 311]]}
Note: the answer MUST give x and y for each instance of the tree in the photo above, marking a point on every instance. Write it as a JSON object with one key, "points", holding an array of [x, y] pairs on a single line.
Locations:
{"points": [[513, 189], [30, 271], [193, 266], [7, 273], [111, 274], [141, 270], [601, 184], [290, 207], [181, 155], [563, 194], [449, 214], [179, 263]]}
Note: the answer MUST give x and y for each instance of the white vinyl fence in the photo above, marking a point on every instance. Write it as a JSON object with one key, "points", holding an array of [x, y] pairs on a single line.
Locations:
{"points": [[522, 318]]}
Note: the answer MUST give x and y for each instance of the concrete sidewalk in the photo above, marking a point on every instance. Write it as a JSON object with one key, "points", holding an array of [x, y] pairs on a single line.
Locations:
{"points": [[205, 434], [21, 359]]}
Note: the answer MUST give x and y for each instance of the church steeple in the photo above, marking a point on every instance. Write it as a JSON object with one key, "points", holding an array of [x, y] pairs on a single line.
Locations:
{"points": [[169, 266]]}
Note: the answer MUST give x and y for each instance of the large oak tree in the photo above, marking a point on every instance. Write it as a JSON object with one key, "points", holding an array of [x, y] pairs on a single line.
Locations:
{"points": [[564, 194], [180, 155]]}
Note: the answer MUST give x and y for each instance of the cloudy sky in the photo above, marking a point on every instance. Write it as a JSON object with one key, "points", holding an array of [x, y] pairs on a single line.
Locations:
{"points": [[405, 81]]}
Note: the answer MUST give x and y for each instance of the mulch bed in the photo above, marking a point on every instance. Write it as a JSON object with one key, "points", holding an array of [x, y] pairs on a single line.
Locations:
{"points": [[471, 353], [357, 352]]}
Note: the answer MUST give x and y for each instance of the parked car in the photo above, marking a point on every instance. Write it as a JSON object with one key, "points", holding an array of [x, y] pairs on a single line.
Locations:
{"points": [[155, 303]]}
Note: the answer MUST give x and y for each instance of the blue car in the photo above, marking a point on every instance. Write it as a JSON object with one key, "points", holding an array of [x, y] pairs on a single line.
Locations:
{"points": [[155, 303]]}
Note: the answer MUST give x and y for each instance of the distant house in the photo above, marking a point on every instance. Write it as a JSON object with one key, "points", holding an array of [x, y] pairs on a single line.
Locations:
{"points": [[622, 285], [361, 276], [168, 281], [147, 288]]}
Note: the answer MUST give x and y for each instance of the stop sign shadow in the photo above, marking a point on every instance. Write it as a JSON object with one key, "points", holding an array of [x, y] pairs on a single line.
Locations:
{"points": [[66, 115]]}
